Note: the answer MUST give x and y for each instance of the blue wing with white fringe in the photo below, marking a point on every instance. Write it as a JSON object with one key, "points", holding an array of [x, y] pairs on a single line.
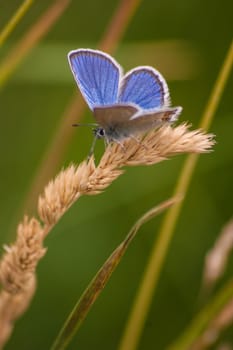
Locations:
{"points": [[145, 87], [97, 75]]}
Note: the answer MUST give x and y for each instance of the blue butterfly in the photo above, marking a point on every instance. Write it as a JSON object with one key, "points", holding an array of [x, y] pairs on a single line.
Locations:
{"points": [[123, 105]]}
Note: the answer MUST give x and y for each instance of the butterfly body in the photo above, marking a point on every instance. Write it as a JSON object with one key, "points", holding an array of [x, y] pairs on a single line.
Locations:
{"points": [[113, 120], [123, 106]]}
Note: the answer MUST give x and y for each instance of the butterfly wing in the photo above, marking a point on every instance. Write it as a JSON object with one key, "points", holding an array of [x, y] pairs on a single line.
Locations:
{"points": [[97, 75], [145, 87], [114, 115], [144, 121], [122, 121]]}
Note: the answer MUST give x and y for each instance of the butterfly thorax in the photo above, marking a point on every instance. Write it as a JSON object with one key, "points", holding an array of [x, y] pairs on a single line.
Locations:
{"points": [[111, 133]]}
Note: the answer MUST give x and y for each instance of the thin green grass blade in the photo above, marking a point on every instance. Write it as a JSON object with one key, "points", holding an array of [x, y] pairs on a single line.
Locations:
{"points": [[202, 320], [30, 39], [95, 287], [12, 23], [140, 309]]}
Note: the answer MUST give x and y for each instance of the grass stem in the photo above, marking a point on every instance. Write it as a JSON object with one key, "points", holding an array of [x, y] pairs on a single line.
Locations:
{"points": [[148, 285], [12, 23]]}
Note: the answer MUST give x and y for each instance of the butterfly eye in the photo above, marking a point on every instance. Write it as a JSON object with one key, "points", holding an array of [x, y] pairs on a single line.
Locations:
{"points": [[99, 133]]}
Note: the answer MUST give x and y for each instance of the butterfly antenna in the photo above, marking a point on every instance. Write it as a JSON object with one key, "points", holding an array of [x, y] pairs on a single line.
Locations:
{"points": [[85, 124]]}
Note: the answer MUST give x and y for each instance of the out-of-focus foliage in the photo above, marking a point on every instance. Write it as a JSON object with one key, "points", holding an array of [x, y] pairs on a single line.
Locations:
{"points": [[187, 42]]}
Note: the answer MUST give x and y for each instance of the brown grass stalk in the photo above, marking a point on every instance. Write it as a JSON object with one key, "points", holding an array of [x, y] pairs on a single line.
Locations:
{"points": [[218, 256], [31, 38], [12, 23], [98, 283], [223, 320], [17, 268]]}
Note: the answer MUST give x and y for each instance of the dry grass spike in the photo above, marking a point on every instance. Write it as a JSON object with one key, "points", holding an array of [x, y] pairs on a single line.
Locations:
{"points": [[18, 264]]}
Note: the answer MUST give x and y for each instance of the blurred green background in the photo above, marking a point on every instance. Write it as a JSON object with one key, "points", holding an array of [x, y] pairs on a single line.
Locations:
{"points": [[185, 40]]}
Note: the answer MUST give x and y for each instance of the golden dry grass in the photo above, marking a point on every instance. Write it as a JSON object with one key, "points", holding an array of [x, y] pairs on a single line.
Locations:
{"points": [[18, 265]]}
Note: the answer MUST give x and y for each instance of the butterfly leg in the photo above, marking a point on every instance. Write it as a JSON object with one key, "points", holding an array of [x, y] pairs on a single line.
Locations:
{"points": [[139, 142], [121, 145], [106, 142], [92, 148]]}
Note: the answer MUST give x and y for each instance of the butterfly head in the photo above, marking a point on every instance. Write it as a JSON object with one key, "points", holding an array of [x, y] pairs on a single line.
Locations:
{"points": [[99, 132]]}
